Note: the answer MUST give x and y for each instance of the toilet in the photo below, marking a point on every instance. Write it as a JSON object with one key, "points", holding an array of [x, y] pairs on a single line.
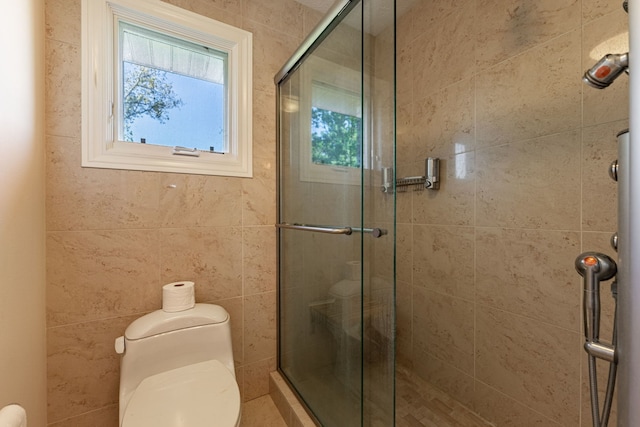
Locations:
{"points": [[177, 370]]}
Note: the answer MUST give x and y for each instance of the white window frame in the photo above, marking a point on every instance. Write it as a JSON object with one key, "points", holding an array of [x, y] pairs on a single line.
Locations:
{"points": [[316, 69], [100, 145]]}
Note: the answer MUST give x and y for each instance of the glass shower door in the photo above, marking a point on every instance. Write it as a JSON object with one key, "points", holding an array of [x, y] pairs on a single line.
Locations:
{"points": [[336, 228]]}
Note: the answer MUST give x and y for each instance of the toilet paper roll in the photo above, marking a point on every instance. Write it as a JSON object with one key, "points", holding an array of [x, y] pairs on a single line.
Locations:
{"points": [[178, 296]]}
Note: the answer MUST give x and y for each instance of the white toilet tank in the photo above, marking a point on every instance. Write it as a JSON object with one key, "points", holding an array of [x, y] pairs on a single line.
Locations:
{"points": [[159, 342]]}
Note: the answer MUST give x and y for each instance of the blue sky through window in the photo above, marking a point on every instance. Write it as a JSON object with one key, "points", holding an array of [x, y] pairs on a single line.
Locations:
{"points": [[198, 123]]}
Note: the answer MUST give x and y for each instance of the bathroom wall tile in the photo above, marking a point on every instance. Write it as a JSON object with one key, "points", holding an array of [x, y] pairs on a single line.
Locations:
{"points": [[435, 64], [443, 122], [89, 198], [62, 21], [599, 191], [535, 186], [271, 48], [608, 34], [444, 375], [240, 380], [83, 370], [404, 74], [104, 417], [98, 274], [62, 89], [505, 28], [259, 326], [311, 18], [443, 327], [453, 202], [528, 272], [235, 308], [593, 9], [264, 125], [210, 257], [443, 259], [259, 194], [405, 143], [510, 104], [504, 411], [531, 362], [256, 378], [284, 15], [404, 250], [259, 259], [227, 11], [200, 201]]}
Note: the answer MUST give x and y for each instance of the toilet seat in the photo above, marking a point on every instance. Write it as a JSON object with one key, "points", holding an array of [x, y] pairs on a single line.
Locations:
{"points": [[204, 394]]}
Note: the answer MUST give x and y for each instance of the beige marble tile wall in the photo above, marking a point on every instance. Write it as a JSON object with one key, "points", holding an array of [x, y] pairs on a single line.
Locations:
{"points": [[115, 237], [488, 299]]}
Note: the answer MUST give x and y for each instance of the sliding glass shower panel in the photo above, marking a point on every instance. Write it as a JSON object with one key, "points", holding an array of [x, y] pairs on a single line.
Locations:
{"points": [[336, 226]]}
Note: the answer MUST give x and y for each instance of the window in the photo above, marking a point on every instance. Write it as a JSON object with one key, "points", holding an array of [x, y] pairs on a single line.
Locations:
{"points": [[164, 89]]}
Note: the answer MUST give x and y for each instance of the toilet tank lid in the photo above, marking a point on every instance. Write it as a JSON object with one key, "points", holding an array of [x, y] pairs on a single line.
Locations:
{"points": [[159, 321]]}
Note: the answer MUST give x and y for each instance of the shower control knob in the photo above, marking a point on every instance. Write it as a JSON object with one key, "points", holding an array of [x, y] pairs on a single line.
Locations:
{"points": [[613, 170]]}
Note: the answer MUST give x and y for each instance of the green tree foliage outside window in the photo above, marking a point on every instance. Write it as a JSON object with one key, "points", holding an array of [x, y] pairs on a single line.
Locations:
{"points": [[335, 138], [146, 92]]}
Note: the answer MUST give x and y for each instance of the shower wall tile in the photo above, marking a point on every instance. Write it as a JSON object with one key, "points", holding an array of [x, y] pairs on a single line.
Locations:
{"points": [[99, 274], [443, 122], [510, 102], [311, 18], [118, 199], [404, 251], [264, 125], [443, 259], [404, 322], [428, 13], [82, 367], [444, 375], [599, 191], [256, 378], [209, 257], [525, 272], [530, 184], [62, 21], [443, 327], [453, 203], [62, 89], [537, 22], [200, 201], [259, 326], [531, 361], [504, 411], [436, 64], [593, 9], [259, 259], [235, 308], [608, 34]]}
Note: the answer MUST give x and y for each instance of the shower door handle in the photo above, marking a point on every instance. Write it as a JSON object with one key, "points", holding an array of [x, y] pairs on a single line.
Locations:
{"points": [[375, 232]]}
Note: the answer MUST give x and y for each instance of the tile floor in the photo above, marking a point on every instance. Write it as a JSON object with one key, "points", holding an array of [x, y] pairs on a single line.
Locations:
{"points": [[261, 412]]}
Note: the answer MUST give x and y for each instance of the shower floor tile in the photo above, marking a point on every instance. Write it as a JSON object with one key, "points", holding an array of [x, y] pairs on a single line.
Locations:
{"points": [[419, 404]]}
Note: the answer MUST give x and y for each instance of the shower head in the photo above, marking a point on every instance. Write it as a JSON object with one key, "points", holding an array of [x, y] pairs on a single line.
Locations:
{"points": [[606, 70]]}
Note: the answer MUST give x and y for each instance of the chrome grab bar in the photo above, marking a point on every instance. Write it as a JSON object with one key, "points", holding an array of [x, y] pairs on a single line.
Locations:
{"points": [[375, 232]]}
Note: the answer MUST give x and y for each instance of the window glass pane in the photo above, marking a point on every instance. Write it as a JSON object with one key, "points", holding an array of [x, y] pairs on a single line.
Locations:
{"points": [[335, 126], [173, 91]]}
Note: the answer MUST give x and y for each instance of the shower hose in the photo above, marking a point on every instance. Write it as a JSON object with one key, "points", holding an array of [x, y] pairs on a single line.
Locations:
{"points": [[603, 420]]}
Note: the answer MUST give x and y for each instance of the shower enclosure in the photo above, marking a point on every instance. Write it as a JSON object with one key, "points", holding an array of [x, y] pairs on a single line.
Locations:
{"points": [[336, 226], [403, 303]]}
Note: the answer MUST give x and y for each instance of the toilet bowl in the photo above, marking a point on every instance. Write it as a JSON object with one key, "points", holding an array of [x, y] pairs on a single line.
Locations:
{"points": [[177, 370]]}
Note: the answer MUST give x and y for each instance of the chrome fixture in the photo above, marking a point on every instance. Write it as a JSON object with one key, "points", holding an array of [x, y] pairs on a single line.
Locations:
{"points": [[430, 180], [596, 267], [613, 170], [606, 70], [326, 229]]}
